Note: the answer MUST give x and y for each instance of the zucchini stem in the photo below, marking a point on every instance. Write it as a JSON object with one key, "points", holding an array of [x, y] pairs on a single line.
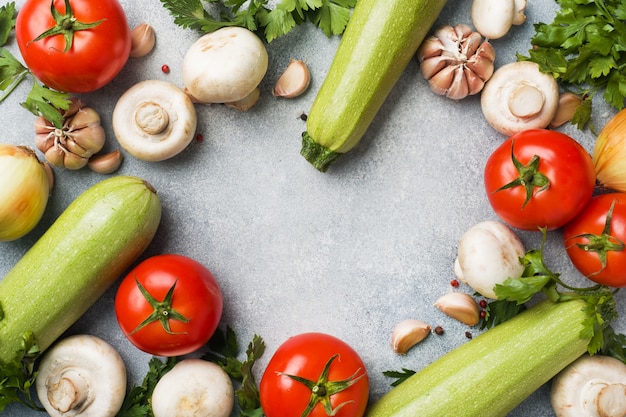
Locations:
{"points": [[319, 156]]}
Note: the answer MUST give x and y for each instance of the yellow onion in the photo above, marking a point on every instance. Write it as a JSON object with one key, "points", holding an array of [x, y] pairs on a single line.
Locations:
{"points": [[609, 153], [24, 190]]}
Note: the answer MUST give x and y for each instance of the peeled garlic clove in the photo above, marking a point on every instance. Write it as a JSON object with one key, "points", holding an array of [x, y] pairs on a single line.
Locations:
{"points": [[294, 81], [407, 334], [460, 306], [106, 163], [142, 40], [568, 103]]}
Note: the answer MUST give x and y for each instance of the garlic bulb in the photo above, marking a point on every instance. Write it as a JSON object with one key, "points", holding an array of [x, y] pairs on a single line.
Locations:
{"points": [[72, 145], [456, 61], [609, 153], [24, 191]]}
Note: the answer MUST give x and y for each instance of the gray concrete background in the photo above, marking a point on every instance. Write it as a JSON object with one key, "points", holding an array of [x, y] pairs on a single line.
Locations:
{"points": [[350, 252]]}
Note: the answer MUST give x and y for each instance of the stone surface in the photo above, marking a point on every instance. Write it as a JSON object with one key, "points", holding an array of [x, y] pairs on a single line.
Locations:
{"points": [[350, 252]]}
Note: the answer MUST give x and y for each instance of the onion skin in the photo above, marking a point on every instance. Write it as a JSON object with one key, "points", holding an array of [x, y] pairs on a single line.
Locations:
{"points": [[609, 153], [24, 191]]}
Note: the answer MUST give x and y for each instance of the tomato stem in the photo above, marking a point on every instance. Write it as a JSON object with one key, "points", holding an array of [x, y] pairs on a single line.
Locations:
{"points": [[603, 243], [162, 310], [529, 177], [323, 389], [66, 25]]}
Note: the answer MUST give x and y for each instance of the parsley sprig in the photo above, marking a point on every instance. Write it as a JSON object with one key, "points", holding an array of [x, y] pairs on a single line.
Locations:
{"points": [[223, 349], [600, 305], [17, 378], [331, 16], [583, 49], [41, 100]]}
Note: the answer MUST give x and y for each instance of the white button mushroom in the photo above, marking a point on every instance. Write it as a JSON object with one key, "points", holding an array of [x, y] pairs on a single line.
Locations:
{"points": [[81, 375], [493, 18], [224, 66], [193, 388], [489, 252], [154, 120], [519, 97], [592, 386]]}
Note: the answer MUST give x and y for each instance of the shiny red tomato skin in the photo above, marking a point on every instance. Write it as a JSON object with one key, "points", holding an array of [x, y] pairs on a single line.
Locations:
{"points": [[563, 160], [98, 54], [592, 220], [197, 297], [305, 355]]}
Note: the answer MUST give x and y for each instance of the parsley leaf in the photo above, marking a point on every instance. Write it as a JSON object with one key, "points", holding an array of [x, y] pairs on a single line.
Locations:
{"points": [[7, 21], [400, 376], [223, 350], [137, 401], [499, 311], [47, 102], [331, 16], [17, 378], [582, 49]]}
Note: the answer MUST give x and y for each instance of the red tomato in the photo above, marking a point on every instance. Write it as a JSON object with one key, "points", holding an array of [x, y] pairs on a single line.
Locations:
{"points": [[97, 54], [178, 323], [539, 178], [594, 240], [306, 356]]}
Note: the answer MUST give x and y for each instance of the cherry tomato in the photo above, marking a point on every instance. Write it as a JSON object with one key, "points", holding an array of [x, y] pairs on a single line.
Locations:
{"points": [[539, 178], [314, 375], [595, 240], [94, 55], [169, 305]]}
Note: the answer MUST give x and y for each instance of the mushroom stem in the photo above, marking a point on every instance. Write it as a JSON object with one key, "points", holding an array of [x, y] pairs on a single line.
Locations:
{"points": [[69, 392]]}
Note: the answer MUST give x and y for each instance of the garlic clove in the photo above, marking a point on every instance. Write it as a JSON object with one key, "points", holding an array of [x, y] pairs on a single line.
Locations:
{"points": [[431, 47], [432, 66], [74, 162], [407, 334], [460, 306], [142, 40], [294, 81], [474, 82], [106, 163], [458, 87], [568, 103]]}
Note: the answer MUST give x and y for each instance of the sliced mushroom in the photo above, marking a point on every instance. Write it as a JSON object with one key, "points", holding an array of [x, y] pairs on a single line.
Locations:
{"points": [[81, 375], [592, 386], [154, 120], [519, 97]]}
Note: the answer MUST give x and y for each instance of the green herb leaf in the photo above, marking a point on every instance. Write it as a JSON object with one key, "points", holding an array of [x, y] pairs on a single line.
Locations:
{"points": [[331, 16], [499, 311], [399, 376], [223, 350], [582, 49], [137, 401], [17, 378], [7, 21], [12, 72], [48, 103]]}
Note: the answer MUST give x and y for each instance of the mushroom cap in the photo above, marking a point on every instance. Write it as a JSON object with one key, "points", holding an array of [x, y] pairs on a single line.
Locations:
{"points": [[86, 364], [519, 97], [154, 120], [193, 387], [224, 66], [488, 254], [591, 386]]}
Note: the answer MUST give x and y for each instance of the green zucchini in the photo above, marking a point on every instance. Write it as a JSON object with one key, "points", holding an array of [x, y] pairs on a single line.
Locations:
{"points": [[380, 40], [83, 252], [491, 374]]}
